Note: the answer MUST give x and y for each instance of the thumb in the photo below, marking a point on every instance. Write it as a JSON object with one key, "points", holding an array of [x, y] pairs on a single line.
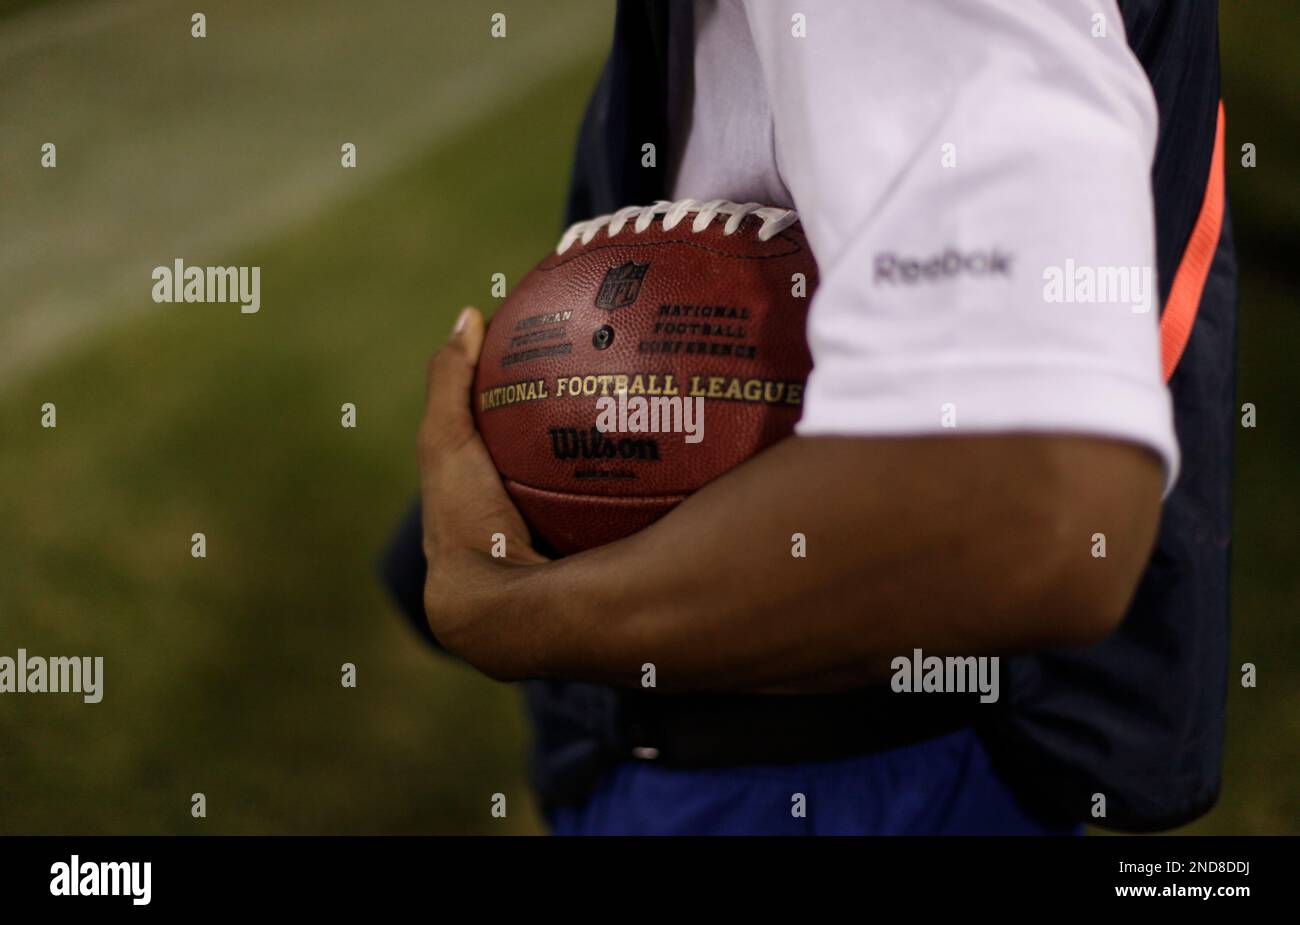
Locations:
{"points": [[450, 379], [467, 335]]}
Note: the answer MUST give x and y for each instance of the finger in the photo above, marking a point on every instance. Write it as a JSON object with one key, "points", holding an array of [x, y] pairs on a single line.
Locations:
{"points": [[449, 381], [467, 334], [466, 339]]}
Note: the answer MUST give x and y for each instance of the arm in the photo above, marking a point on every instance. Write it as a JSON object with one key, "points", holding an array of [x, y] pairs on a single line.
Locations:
{"points": [[958, 542], [956, 545]]}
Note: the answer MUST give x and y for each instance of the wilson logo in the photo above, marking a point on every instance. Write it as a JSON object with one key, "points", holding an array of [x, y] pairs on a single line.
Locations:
{"points": [[573, 443]]}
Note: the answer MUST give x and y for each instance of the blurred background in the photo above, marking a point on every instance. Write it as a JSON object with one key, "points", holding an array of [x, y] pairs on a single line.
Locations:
{"points": [[222, 674]]}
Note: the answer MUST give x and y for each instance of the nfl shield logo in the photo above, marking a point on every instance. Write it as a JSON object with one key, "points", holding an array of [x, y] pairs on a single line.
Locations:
{"points": [[621, 286]]}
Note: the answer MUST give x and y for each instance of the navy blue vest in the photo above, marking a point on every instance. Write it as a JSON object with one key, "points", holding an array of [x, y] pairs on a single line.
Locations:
{"points": [[1139, 718]]}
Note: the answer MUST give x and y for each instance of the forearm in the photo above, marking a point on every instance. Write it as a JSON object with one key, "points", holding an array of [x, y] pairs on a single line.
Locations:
{"points": [[941, 544]]}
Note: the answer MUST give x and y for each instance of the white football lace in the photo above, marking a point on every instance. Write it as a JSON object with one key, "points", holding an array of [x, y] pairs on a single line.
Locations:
{"points": [[774, 220]]}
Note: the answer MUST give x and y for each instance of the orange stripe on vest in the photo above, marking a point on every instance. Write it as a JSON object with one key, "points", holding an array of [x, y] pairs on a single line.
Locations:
{"points": [[1189, 281]]}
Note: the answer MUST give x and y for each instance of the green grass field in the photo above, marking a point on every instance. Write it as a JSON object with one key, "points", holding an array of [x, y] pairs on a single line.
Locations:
{"points": [[223, 673]]}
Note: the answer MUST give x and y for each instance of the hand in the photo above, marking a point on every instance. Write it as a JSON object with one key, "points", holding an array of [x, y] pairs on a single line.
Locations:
{"points": [[467, 592]]}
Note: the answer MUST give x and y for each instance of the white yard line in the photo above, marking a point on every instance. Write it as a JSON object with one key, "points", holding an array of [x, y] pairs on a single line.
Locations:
{"points": [[245, 145]]}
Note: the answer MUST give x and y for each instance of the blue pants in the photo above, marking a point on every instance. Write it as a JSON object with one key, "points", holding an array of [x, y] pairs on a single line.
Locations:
{"points": [[943, 786]]}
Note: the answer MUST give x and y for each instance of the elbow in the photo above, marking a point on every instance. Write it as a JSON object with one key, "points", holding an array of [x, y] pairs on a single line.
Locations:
{"points": [[1072, 598], [1091, 551], [1090, 617]]}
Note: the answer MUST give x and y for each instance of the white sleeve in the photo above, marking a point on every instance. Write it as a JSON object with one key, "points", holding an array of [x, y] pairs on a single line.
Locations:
{"points": [[963, 168]]}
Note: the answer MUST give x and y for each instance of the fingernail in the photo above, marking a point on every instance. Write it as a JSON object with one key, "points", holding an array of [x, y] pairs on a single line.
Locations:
{"points": [[461, 321]]}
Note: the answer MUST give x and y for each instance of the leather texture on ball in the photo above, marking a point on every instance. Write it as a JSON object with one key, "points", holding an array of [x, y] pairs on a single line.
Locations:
{"points": [[679, 313]]}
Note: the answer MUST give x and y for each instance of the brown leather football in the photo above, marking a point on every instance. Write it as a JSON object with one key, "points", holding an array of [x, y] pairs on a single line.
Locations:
{"points": [[657, 348]]}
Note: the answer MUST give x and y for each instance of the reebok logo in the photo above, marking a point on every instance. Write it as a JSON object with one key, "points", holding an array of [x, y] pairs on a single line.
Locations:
{"points": [[895, 269]]}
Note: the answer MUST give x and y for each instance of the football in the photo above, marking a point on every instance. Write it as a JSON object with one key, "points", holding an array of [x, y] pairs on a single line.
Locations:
{"points": [[655, 349]]}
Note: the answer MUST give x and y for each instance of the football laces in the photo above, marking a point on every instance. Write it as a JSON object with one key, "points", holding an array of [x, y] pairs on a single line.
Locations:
{"points": [[774, 220]]}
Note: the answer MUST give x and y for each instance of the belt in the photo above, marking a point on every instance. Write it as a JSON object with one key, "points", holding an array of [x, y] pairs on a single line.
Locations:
{"points": [[701, 731]]}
